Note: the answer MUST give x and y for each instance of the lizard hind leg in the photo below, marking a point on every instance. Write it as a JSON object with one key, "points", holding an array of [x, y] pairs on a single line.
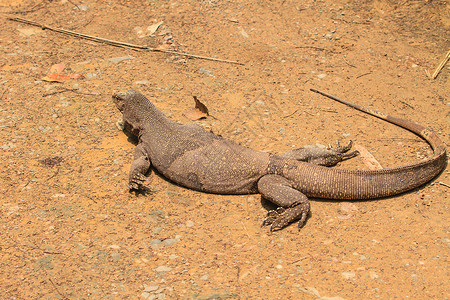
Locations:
{"points": [[322, 156], [293, 205]]}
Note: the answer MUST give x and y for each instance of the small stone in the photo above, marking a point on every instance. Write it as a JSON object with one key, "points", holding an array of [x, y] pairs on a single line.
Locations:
{"points": [[243, 33], [237, 131], [373, 275], [162, 269], [142, 82], [348, 208], [348, 275], [157, 230], [156, 244], [321, 76], [150, 288], [205, 277], [91, 75], [116, 60], [170, 242], [206, 72], [189, 224], [44, 129], [116, 256], [81, 7]]}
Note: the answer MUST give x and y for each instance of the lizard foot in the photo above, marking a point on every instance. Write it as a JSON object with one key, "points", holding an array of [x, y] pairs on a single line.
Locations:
{"points": [[343, 150], [281, 217], [137, 181], [320, 156]]}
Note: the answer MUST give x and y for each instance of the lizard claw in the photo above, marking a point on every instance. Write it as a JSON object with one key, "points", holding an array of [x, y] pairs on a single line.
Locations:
{"points": [[272, 215], [281, 217], [137, 181]]}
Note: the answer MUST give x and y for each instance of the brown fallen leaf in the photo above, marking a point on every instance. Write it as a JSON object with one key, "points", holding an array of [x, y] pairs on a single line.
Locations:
{"points": [[200, 111], [56, 76], [57, 68], [369, 160]]}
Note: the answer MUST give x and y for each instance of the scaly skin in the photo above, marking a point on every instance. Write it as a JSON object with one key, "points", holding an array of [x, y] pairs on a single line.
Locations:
{"points": [[200, 160]]}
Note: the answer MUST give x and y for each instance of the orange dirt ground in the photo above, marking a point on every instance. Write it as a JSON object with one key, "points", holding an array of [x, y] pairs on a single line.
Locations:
{"points": [[69, 227]]}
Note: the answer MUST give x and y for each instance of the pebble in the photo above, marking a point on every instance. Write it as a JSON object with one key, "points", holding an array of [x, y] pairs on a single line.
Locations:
{"points": [[116, 60], [170, 242], [116, 256], [9, 145], [156, 230], [373, 275], [150, 288], [348, 275], [162, 269], [206, 72], [81, 7], [205, 277], [189, 224], [142, 82], [155, 244], [243, 33], [321, 76]]}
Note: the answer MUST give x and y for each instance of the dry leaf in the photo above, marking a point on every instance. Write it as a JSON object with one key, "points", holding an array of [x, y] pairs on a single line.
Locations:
{"points": [[57, 68], [153, 28], [54, 77], [368, 159], [200, 111]]}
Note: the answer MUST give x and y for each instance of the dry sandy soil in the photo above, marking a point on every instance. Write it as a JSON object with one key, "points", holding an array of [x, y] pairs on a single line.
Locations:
{"points": [[71, 230]]}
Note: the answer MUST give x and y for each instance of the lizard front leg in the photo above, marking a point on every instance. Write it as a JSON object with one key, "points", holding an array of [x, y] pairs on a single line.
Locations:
{"points": [[319, 156], [293, 205], [139, 167]]}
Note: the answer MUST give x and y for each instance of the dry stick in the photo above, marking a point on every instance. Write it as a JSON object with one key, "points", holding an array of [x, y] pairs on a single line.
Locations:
{"points": [[444, 184], [117, 43], [363, 75], [441, 66]]}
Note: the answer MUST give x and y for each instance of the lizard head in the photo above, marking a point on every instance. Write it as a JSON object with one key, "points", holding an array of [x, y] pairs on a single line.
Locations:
{"points": [[125, 101], [121, 98]]}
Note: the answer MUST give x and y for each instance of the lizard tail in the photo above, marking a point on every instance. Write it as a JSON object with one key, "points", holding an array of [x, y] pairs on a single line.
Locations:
{"points": [[323, 182]]}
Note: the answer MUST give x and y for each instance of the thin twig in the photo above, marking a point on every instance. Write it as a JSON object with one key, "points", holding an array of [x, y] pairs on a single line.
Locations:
{"points": [[444, 184], [291, 113], [441, 65], [3, 94], [407, 104], [345, 59], [76, 91], [316, 48], [56, 288], [363, 75], [116, 43]]}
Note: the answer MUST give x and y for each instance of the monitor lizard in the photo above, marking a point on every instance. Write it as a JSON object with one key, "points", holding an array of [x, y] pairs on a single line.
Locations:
{"points": [[200, 160]]}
